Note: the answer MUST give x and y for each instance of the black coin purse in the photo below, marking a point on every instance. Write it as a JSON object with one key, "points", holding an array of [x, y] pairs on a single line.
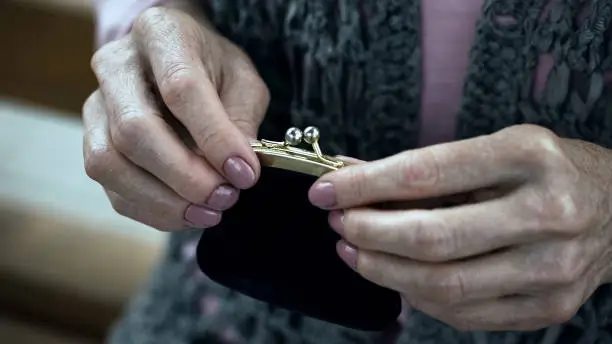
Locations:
{"points": [[275, 246]]}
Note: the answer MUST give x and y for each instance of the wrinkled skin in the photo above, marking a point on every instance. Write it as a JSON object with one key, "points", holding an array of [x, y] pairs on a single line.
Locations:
{"points": [[167, 132], [524, 243]]}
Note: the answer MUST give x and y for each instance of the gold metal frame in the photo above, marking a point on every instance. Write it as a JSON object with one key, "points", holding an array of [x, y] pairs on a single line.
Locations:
{"points": [[288, 156]]}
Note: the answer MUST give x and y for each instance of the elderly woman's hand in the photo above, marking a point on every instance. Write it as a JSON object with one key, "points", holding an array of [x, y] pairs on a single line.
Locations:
{"points": [[525, 250], [167, 132]]}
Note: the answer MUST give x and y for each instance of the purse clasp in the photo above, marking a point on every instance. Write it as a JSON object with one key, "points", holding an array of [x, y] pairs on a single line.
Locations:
{"points": [[287, 154]]}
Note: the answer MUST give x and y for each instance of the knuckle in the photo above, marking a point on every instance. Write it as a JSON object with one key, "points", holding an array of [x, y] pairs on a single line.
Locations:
{"points": [[128, 133], [448, 289], [113, 55], [565, 217], [419, 169], [99, 58], [254, 93], [359, 231], [149, 19], [558, 209], [247, 125], [362, 229], [99, 162], [539, 147], [209, 139], [558, 310], [557, 212], [429, 238], [566, 266], [258, 89], [353, 229], [176, 81], [574, 214], [243, 73]]}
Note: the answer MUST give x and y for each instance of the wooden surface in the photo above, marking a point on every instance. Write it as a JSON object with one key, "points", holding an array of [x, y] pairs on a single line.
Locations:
{"points": [[65, 273], [46, 52], [67, 261]]}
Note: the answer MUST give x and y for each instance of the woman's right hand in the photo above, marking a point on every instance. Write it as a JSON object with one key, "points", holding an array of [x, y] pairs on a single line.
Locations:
{"points": [[167, 132]]}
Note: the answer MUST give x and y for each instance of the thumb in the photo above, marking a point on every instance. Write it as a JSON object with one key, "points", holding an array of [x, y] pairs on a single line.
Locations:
{"points": [[245, 98]]}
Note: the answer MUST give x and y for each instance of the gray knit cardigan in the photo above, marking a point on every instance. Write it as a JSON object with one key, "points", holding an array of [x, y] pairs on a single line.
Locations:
{"points": [[352, 68]]}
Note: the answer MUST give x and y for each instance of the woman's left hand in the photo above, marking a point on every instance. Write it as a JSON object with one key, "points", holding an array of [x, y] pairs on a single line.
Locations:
{"points": [[530, 246]]}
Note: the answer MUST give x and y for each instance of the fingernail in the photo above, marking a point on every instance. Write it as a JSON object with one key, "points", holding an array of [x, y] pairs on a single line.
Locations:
{"points": [[336, 221], [239, 173], [323, 195], [201, 217], [223, 198], [348, 253]]}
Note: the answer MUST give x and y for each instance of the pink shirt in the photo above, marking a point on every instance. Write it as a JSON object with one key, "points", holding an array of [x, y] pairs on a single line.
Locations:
{"points": [[448, 28]]}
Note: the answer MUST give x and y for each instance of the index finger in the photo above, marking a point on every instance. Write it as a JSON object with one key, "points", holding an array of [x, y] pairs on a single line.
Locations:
{"points": [[174, 53], [442, 234], [435, 171]]}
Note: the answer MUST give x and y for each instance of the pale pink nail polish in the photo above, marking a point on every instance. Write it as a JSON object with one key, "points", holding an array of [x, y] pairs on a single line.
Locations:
{"points": [[323, 195], [239, 173], [223, 198], [201, 217], [348, 253]]}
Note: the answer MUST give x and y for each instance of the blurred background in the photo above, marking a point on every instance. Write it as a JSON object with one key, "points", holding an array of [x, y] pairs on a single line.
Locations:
{"points": [[68, 263]]}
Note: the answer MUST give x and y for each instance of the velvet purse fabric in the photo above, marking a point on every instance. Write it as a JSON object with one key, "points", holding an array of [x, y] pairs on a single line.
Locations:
{"points": [[273, 245]]}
